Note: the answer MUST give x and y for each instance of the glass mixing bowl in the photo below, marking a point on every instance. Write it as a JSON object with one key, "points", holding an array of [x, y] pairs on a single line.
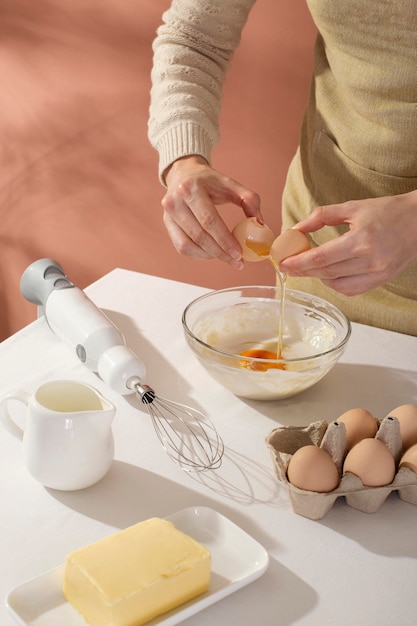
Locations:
{"points": [[222, 324]]}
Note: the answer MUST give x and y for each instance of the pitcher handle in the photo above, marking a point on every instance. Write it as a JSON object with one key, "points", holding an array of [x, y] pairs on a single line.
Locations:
{"points": [[5, 417]]}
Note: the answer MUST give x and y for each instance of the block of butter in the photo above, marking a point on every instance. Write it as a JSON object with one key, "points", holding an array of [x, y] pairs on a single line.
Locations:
{"points": [[136, 574]]}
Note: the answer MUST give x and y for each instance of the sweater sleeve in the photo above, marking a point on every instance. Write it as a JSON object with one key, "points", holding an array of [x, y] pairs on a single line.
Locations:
{"points": [[192, 54]]}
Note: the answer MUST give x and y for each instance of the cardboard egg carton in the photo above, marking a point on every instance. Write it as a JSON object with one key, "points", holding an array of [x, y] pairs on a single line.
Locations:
{"points": [[284, 441]]}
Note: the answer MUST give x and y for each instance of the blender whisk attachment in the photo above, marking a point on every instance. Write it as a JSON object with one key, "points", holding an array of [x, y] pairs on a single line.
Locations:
{"points": [[187, 436]]}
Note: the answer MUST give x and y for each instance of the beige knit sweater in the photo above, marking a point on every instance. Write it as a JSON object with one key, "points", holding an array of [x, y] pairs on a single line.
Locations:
{"points": [[359, 136]]}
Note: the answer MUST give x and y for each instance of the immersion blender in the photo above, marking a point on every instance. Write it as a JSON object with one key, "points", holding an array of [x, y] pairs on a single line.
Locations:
{"points": [[187, 436]]}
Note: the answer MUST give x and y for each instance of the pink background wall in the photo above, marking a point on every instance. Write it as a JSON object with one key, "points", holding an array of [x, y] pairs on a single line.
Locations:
{"points": [[78, 179]]}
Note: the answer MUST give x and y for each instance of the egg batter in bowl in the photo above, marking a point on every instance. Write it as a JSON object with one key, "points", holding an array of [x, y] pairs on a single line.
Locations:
{"points": [[226, 328]]}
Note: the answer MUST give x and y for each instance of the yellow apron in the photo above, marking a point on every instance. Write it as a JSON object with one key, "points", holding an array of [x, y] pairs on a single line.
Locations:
{"points": [[359, 136]]}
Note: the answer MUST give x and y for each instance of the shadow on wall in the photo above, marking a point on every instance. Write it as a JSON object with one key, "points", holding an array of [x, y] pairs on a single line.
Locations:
{"points": [[78, 179]]}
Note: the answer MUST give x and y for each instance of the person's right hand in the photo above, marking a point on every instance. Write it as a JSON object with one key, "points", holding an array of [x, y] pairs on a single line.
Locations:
{"points": [[194, 189]]}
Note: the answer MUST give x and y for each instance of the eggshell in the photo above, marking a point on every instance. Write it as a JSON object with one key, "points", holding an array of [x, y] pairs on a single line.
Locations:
{"points": [[359, 424], [312, 469], [254, 238], [287, 244], [406, 414], [372, 462], [409, 458]]}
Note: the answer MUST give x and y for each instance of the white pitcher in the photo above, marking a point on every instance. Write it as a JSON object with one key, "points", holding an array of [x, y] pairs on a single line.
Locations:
{"points": [[67, 436]]}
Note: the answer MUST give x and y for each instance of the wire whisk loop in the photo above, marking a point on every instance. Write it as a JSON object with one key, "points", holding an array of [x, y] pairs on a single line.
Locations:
{"points": [[187, 436]]}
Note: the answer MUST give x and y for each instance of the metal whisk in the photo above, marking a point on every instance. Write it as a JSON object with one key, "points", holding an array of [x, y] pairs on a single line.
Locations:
{"points": [[187, 436]]}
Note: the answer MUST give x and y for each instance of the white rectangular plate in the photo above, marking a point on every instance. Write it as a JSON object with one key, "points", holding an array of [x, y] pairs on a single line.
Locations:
{"points": [[237, 560]]}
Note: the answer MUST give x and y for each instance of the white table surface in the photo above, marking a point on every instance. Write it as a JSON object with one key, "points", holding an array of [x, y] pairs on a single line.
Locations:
{"points": [[349, 568]]}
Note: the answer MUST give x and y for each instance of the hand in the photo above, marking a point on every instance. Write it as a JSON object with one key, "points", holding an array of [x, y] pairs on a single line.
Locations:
{"points": [[194, 189], [381, 242]]}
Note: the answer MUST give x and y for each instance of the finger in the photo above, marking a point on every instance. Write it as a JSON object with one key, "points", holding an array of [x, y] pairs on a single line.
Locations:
{"points": [[182, 243], [186, 246], [328, 215], [219, 189], [187, 211], [209, 228], [202, 200], [226, 190], [200, 221], [194, 210], [351, 267], [335, 251], [251, 204]]}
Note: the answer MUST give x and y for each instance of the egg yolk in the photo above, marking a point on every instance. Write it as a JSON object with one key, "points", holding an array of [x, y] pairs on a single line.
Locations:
{"points": [[258, 247], [260, 354]]}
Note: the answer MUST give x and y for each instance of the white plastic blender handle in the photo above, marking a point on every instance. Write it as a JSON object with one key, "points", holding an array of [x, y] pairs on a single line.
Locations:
{"points": [[75, 319], [40, 278]]}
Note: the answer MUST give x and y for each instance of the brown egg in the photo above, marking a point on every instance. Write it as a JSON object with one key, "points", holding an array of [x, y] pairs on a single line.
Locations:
{"points": [[311, 468], [290, 242], [254, 238], [372, 462], [359, 424], [406, 414], [409, 458]]}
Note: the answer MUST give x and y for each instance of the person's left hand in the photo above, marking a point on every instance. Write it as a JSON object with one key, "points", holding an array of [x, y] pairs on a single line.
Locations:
{"points": [[381, 242]]}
